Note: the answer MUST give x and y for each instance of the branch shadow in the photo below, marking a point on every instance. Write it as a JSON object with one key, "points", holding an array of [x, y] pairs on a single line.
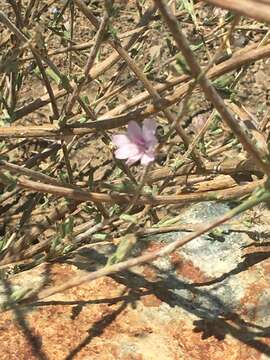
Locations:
{"points": [[99, 326], [217, 325], [96, 330], [33, 340], [249, 261], [216, 318]]}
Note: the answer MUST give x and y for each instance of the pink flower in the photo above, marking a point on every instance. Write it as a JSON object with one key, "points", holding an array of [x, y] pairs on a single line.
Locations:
{"points": [[138, 143]]}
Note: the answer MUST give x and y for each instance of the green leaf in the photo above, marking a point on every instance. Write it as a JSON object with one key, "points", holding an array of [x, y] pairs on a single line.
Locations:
{"points": [[85, 99], [2, 145], [182, 65], [6, 118], [100, 236], [53, 76], [19, 294], [7, 179], [129, 218], [125, 187], [89, 209], [9, 62], [114, 210], [90, 180], [66, 34], [168, 222], [82, 120], [68, 226], [3, 241], [189, 7], [112, 31], [123, 249], [223, 84]]}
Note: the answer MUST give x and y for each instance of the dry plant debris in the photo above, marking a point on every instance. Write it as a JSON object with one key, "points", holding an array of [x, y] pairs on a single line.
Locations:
{"points": [[75, 75]]}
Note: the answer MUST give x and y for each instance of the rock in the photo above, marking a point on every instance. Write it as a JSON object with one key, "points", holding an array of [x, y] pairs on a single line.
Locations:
{"points": [[208, 300]]}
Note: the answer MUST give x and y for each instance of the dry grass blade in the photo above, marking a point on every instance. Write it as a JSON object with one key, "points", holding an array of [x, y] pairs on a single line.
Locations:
{"points": [[79, 195]]}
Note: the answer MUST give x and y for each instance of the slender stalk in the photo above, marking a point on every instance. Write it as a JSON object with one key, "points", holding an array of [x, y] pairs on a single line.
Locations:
{"points": [[48, 86], [67, 162], [255, 9], [115, 198], [77, 88]]}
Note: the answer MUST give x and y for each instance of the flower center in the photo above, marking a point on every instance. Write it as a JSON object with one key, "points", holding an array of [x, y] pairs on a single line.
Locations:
{"points": [[140, 142]]}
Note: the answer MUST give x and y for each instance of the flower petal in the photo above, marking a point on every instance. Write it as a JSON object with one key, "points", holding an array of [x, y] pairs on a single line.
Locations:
{"points": [[131, 160], [147, 158], [134, 132], [149, 130], [121, 139], [126, 151]]}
